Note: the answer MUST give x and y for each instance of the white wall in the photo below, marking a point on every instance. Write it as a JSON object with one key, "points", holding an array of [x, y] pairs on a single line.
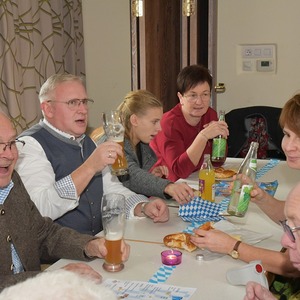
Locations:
{"points": [[107, 51], [106, 26], [258, 22]]}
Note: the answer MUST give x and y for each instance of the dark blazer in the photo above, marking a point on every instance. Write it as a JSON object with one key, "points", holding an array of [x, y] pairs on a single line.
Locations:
{"points": [[34, 237], [141, 181]]}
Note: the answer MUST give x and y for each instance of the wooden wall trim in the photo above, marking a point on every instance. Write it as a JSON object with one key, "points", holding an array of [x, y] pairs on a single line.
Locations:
{"points": [[135, 74], [212, 45], [194, 37]]}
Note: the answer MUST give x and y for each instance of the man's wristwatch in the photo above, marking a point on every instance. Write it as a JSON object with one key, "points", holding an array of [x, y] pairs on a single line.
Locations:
{"points": [[234, 253]]}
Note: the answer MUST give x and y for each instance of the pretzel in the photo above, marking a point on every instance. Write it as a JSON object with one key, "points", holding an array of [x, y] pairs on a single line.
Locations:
{"points": [[207, 226], [221, 173], [181, 240]]}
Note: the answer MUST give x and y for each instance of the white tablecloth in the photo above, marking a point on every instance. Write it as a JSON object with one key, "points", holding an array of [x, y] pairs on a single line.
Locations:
{"points": [[209, 277]]}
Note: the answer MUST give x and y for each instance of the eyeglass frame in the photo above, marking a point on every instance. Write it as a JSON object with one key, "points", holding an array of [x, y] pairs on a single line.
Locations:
{"points": [[78, 101], [10, 144], [197, 96], [289, 230]]}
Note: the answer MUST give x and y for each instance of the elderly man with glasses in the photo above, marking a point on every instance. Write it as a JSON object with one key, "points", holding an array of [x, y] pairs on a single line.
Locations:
{"points": [[63, 170], [290, 240], [26, 236]]}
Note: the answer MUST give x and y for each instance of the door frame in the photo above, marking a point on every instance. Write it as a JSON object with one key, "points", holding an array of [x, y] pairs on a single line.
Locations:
{"points": [[212, 46], [192, 49]]}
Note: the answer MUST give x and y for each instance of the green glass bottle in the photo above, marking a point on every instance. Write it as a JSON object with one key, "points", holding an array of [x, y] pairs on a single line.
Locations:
{"points": [[240, 193], [218, 155]]}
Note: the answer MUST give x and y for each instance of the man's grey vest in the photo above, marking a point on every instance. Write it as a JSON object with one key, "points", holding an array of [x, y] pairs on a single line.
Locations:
{"points": [[65, 156]]}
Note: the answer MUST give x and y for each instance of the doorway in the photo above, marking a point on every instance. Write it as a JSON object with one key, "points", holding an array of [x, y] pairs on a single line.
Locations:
{"points": [[163, 41]]}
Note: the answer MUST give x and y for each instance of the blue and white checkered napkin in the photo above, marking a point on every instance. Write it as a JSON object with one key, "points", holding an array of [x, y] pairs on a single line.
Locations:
{"points": [[202, 210], [163, 273]]}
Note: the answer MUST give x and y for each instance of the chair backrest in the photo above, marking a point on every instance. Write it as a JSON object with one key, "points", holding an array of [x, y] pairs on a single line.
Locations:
{"points": [[255, 123], [257, 129]]}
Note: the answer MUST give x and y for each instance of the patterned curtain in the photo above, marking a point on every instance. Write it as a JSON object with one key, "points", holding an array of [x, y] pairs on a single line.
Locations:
{"points": [[37, 39]]}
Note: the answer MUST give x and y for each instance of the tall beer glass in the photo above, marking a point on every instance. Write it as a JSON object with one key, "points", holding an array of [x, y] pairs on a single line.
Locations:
{"points": [[114, 131], [113, 220]]}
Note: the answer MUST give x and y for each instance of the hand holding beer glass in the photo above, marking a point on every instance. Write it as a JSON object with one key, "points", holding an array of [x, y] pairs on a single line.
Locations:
{"points": [[114, 131], [113, 220]]}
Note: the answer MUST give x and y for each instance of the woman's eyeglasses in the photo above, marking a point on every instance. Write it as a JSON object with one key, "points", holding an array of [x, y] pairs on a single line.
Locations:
{"points": [[194, 97]]}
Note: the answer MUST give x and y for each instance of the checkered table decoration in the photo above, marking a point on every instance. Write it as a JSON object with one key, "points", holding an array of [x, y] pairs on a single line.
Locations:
{"points": [[163, 273], [271, 164], [199, 209], [223, 186]]}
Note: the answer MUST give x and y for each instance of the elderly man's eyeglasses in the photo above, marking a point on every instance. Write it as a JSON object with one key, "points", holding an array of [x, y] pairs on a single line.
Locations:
{"points": [[74, 103], [194, 97], [13, 146], [289, 230]]}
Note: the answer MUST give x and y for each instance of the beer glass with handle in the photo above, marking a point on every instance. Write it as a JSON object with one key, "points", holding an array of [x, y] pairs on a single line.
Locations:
{"points": [[113, 220], [114, 130]]}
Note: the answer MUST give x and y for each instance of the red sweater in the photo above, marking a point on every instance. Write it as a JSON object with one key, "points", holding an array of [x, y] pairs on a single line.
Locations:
{"points": [[176, 136]]}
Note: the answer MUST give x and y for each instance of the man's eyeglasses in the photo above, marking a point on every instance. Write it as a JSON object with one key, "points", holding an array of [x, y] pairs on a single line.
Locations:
{"points": [[289, 230], [194, 97], [74, 103], [12, 145]]}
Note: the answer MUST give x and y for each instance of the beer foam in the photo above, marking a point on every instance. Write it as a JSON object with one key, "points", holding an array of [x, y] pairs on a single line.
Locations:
{"points": [[114, 236], [118, 139]]}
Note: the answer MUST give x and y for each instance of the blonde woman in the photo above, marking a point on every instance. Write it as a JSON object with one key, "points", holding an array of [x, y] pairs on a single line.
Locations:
{"points": [[141, 112]]}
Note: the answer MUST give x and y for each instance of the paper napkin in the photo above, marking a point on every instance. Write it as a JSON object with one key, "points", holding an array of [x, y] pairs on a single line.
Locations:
{"points": [[198, 209], [221, 187]]}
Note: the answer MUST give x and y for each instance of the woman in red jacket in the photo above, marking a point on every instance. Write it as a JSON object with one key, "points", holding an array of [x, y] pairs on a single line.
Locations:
{"points": [[188, 128]]}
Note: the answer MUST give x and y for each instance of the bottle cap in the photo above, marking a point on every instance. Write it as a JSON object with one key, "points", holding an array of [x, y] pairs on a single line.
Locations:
{"points": [[199, 257]]}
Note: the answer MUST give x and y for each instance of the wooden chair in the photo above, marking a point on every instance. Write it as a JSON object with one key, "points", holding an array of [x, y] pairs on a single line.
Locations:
{"points": [[97, 133]]}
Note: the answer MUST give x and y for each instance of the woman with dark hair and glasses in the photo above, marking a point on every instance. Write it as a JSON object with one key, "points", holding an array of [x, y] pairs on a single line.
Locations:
{"points": [[273, 261], [188, 128]]}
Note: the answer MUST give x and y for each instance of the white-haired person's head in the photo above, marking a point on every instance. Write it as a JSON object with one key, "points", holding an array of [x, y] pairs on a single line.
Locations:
{"points": [[58, 284]]}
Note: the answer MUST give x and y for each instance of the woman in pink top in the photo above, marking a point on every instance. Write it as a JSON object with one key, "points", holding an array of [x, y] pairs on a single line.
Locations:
{"points": [[188, 128]]}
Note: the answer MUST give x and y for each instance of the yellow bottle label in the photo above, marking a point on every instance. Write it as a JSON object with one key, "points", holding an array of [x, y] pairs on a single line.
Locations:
{"points": [[207, 184]]}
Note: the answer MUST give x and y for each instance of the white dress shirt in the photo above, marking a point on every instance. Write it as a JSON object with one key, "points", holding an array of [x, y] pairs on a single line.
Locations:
{"points": [[39, 179]]}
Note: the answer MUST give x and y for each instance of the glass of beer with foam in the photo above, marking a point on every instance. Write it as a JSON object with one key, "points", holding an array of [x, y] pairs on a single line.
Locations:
{"points": [[114, 130], [113, 220]]}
